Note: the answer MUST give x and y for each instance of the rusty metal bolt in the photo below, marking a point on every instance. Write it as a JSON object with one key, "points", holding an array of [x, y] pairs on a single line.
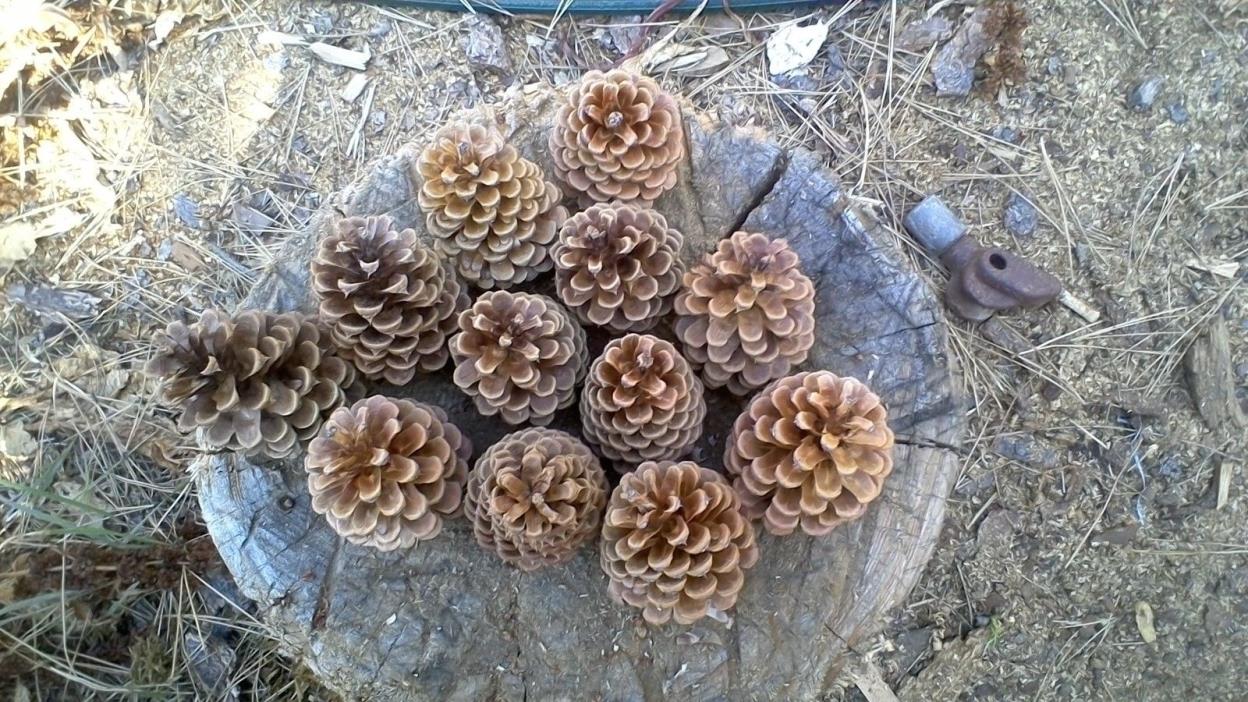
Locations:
{"points": [[982, 280]]}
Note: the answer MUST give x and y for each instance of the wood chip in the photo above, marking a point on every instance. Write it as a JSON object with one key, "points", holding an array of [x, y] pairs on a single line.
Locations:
{"points": [[1079, 307], [1223, 268], [354, 87], [339, 56], [1211, 378], [269, 36], [1144, 622], [870, 682], [1226, 471]]}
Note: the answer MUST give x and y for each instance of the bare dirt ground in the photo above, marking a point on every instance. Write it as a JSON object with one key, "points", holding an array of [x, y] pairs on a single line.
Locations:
{"points": [[1096, 545]]}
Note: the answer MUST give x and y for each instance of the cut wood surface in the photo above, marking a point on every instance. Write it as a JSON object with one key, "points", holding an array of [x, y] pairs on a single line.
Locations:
{"points": [[449, 621]]}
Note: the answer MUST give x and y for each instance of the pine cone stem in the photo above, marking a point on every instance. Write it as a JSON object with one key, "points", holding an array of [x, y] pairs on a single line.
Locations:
{"points": [[519, 356], [490, 210], [745, 314], [642, 402], [256, 383], [675, 544], [389, 301], [386, 473], [536, 497], [618, 137], [811, 451]]}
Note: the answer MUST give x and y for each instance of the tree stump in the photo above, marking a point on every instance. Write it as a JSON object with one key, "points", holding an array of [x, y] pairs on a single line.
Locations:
{"points": [[449, 621]]}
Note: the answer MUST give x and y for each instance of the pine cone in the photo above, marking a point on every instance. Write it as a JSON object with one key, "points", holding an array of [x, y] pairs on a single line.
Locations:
{"points": [[536, 497], [642, 401], [385, 472], [617, 266], [519, 356], [675, 543], [489, 209], [257, 383], [618, 137], [812, 450], [746, 313], [390, 302]]}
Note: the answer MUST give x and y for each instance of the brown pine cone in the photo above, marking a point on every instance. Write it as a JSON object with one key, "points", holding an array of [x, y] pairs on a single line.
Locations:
{"points": [[386, 472], [390, 302], [519, 356], [618, 137], [642, 401], [536, 497], [811, 451], [617, 266], [746, 313], [490, 210], [675, 543], [257, 383]]}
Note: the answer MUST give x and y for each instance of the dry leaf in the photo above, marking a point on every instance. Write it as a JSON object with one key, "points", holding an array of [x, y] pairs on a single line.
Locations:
{"points": [[16, 448], [1223, 268], [688, 60], [339, 56], [1144, 622], [793, 46], [18, 239], [164, 24], [93, 370], [15, 442]]}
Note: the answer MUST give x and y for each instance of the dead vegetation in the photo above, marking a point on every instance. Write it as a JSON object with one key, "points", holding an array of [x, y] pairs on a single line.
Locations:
{"points": [[141, 184]]}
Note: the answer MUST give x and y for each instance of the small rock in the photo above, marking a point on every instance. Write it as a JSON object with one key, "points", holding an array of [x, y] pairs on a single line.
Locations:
{"points": [[1021, 217], [836, 63], [1083, 254], [1217, 618], [1170, 467], [484, 45], [47, 301], [1117, 537], [1144, 93], [380, 29], [954, 67], [1178, 113], [250, 219], [323, 23], [797, 79], [923, 34], [994, 532], [1217, 90], [912, 645], [1054, 65], [1025, 449], [623, 34], [210, 661], [1009, 135], [463, 91], [187, 210]]}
